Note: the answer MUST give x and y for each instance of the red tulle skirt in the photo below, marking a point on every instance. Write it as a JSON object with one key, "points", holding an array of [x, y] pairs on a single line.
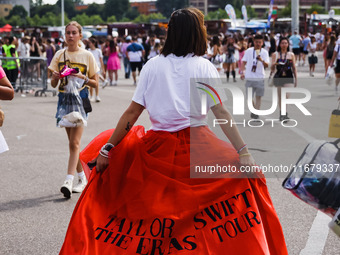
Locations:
{"points": [[146, 203]]}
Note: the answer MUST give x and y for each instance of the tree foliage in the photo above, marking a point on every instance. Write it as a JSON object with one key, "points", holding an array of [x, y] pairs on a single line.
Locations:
{"points": [[219, 14], [237, 4], [166, 7], [285, 12], [316, 8], [147, 18], [18, 10], [116, 8]]}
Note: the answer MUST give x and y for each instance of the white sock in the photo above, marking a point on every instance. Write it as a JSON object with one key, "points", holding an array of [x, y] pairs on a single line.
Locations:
{"points": [[69, 177], [81, 175]]}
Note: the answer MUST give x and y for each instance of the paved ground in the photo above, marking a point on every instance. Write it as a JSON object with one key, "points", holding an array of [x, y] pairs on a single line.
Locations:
{"points": [[34, 215]]}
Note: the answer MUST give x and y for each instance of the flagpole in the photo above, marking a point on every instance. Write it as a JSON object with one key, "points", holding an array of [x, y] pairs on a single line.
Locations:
{"points": [[62, 14], [295, 15]]}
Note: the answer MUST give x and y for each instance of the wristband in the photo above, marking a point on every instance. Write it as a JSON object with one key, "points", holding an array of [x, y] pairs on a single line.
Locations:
{"points": [[244, 146], [104, 151]]}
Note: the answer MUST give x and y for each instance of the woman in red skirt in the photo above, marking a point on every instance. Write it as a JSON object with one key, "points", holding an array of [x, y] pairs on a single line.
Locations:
{"points": [[151, 192]]}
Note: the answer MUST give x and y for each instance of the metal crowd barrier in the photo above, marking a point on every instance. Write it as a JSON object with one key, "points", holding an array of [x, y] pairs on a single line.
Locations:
{"points": [[31, 77]]}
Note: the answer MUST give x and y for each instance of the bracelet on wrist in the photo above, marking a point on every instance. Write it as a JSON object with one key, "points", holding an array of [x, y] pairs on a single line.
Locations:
{"points": [[104, 151], [242, 148]]}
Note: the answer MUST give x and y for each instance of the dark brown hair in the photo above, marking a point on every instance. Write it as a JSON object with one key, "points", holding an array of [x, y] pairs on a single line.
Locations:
{"points": [[186, 33]]}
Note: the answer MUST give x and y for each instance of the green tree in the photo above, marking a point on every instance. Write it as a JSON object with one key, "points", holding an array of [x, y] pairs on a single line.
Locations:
{"points": [[285, 12], [35, 21], [116, 7], [2, 22], [147, 18], [166, 7], [125, 19], [18, 10], [216, 15], [43, 9], [251, 12], [156, 16], [95, 20], [111, 19], [316, 8], [15, 20], [237, 4], [132, 13], [95, 9], [49, 19], [82, 19], [68, 7]]}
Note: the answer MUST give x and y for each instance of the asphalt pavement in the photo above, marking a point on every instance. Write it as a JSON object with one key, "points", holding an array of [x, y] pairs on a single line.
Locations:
{"points": [[34, 215]]}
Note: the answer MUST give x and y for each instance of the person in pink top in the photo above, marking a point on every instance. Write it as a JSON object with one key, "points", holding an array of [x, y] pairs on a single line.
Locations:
{"points": [[6, 89], [113, 64]]}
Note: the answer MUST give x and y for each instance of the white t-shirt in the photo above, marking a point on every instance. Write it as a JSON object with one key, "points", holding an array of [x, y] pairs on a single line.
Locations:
{"points": [[24, 50], [98, 54], [250, 58], [168, 89], [337, 49]]}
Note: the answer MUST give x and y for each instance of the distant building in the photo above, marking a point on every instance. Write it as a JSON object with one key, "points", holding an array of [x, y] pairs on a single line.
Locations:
{"points": [[144, 7], [81, 7], [261, 6], [204, 5], [7, 5]]}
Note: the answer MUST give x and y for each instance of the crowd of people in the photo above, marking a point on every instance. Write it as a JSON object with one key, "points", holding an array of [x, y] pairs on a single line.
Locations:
{"points": [[224, 51], [132, 166]]}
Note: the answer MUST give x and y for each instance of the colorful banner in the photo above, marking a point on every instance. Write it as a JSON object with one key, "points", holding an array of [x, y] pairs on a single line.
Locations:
{"points": [[231, 13], [245, 15], [270, 12]]}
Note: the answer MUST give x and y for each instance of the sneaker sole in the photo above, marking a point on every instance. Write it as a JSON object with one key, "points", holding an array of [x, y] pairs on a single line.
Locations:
{"points": [[77, 191], [66, 192]]}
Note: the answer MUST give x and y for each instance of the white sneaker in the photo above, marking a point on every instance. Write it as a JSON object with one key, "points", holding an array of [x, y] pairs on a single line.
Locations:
{"points": [[134, 83], [114, 83], [106, 82], [80, 186], [98, 99], [93, 99], [66, 189]]}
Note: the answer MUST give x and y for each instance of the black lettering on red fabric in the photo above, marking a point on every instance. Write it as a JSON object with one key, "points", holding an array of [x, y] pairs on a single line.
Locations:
{"points": [[113, 238], [142, 247], [109, 223], [124, 242], [174, 243], [198, 220], [171, 224], [253, 218], [231, 230], [101, 232], [139, 227], [218, 232], [245, 198], [156, 225], [192, 244], [211, 211], [239, 226], [157, 247]]}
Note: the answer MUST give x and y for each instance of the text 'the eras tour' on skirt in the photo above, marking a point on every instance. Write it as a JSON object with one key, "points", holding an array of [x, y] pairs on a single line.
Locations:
{"points": [[146, 203]]}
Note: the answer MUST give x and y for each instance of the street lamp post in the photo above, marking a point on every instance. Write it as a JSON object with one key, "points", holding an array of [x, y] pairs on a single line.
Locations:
{"points": [[62, 14], [295, 15]]}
